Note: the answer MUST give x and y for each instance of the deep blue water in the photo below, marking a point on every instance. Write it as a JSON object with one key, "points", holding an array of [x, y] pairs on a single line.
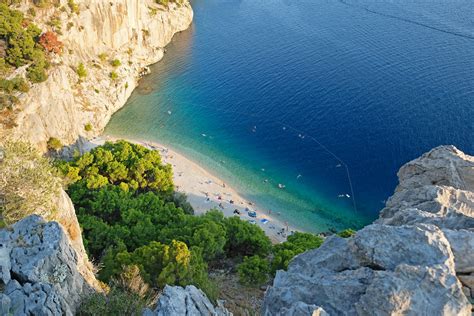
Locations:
{"points": [[276, 89]]}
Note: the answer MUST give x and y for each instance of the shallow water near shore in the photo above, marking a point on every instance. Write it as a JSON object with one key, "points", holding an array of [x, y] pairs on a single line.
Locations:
{"points": [[273, 92]]}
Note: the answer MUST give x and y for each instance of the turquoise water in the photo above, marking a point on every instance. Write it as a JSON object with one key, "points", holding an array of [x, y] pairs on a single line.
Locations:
{"points": [[328, 98]]}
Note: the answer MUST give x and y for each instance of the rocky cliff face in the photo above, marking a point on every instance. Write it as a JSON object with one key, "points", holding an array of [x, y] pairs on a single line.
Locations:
{"points": [[416, 259], [39, 270], [134, 32]]}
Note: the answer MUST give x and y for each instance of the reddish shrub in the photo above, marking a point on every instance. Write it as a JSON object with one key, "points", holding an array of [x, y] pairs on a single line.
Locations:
{"points": [[49, 41]]}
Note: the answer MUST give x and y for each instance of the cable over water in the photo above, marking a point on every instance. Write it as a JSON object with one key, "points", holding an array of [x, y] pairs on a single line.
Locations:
{"points": [[434, 28], [300, 132]]}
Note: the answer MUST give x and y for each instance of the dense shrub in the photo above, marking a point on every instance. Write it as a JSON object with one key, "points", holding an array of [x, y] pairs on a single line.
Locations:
{"points": [[88, 127], [132, 166], [81, 70], [49, 41], [22, 46], [296, 244], [15, 84], [346, 233], [245, 239], [130, 216], [54, 144], [254, 271], [117, 302], [111, 216], [161, 264]]}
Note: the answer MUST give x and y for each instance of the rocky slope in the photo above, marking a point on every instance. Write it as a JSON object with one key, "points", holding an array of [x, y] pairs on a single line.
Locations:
{"points": [[416, 259], [134, 32]]}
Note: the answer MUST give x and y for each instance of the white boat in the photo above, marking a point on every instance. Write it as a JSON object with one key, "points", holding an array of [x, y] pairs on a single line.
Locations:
{"points": [[281, 186], [169, 112]]}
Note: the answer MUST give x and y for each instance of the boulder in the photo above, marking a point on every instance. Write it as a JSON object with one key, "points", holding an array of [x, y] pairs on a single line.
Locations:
{"points": [[442, 166], [176, 300], [381, 270], [39, 269], [416, 259]]}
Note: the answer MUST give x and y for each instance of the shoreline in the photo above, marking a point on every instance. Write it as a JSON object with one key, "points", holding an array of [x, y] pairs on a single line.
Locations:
{"points": [[206, 191]]}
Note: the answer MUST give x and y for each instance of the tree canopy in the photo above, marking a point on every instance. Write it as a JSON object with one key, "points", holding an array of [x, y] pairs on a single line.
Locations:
{"points": [[122, 163], [130, 215]]}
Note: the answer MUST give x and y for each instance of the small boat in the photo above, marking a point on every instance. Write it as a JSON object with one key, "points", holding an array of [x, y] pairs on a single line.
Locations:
{"points": [[341, 195], [169, 112], [203, 135], [281, 186], [347, 196], [338, 165], [298, 176]]}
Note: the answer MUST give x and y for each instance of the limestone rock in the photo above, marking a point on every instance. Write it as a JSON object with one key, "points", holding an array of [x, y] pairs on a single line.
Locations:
{"points": [[382, 270], [39, 269], [443, 166], [410, 262], [176, 300], [444, 207], [462, 245], [66, 217]]}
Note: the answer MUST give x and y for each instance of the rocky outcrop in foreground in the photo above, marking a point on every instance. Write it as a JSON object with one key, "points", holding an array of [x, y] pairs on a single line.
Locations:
{"points": [[176, 300], [416, 259], [39, 270]]}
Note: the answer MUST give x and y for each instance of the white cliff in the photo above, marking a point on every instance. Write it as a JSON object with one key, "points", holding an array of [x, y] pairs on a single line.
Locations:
{"points": [[134, 32]]}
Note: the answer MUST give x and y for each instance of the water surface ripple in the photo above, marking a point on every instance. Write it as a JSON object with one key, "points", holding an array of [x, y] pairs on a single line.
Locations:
{"points": [[277, 91]]}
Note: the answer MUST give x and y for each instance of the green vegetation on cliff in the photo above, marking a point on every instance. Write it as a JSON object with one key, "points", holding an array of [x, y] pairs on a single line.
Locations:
{"points": [[19, 46]]}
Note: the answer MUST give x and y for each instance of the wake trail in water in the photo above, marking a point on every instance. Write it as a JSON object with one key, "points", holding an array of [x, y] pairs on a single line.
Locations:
{"points": [[434, 28]]}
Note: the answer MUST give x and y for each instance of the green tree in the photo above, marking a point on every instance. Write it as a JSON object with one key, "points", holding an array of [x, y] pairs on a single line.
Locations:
{"points": [[253, 271], [22, 44], [162, 264], [122, 162], [245, 239], [295, 244]]}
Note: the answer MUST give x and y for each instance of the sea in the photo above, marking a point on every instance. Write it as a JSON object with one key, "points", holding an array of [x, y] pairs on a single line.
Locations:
{"points": [[309, 108]]}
